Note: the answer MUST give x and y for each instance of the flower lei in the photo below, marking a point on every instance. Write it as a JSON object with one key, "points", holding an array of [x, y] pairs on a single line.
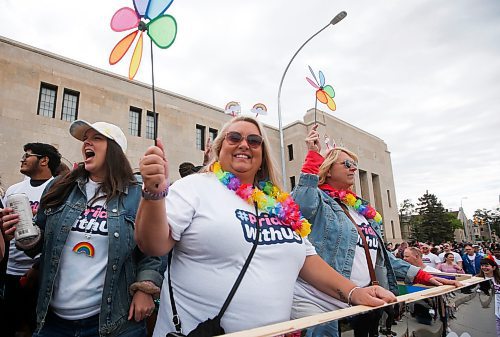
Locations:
{"points": [[351, 199], [269, 198]]}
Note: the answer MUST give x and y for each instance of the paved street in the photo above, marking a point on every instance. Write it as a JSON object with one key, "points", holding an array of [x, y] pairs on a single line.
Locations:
{"points": [[472, 320]]}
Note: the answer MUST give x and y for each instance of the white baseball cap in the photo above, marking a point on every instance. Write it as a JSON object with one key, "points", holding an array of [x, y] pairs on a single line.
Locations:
{"points": [[79, 127]]}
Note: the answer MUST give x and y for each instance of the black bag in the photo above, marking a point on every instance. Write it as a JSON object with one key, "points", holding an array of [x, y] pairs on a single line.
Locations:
{"points": [[210, 327]]}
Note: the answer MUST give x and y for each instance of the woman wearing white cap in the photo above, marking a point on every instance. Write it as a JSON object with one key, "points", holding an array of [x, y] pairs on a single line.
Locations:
{"points": [[94, 281]]}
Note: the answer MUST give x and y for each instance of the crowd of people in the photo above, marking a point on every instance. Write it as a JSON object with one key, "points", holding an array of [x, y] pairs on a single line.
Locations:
{"points": [[211, 246]]}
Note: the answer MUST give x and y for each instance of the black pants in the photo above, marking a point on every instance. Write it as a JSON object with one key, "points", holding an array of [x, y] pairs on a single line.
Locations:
{"points": [[18, 307], [366, 325]]}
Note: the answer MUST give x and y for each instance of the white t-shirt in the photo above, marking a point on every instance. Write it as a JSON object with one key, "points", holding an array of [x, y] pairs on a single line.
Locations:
{"points": [[457, 257], [215, 230], [431, 260], [80, 280], [306, 296], [19, 263], [496, 286]]}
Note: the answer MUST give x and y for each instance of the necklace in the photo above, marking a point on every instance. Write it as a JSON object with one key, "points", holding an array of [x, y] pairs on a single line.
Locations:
{"points": [[351, 199], [269, 198]]}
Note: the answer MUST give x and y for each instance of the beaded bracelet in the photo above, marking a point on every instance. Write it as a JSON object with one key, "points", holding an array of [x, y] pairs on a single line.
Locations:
{"points": [[349, 297], [154, 196]]}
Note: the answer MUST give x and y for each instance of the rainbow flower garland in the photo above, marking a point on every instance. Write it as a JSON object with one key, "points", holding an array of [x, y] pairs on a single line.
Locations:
{"points": [[269, 198], [351, 199]]}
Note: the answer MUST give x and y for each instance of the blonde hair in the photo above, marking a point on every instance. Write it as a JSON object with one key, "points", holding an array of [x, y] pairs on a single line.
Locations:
{"points": [[267, 169], [331, 158]]}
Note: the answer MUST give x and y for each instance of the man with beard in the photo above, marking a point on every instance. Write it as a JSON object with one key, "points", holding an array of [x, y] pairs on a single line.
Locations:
{"points": [[39, 164]]}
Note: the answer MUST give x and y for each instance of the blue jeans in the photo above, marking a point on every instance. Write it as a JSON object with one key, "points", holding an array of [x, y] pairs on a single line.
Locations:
{"points": [[56, 326], [330, 329]]}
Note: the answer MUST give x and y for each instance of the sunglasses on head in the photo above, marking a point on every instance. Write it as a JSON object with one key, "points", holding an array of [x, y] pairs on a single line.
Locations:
{"points": [[234, 138], [349, 163], [26, 155]]}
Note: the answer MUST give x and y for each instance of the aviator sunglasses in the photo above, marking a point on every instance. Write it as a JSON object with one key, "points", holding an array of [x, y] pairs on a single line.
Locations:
{"points": [[349, 163], [234, 138]]}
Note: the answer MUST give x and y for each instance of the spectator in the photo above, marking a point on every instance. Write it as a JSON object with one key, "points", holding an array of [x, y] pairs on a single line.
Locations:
{"points": [[92, 283], [449, 265], [62, 170], [346, 234], [447, 249], [39, 163], [478, 250], [489, 270], [188, 168], [211, 221], [471, 261], [413, 256], [428, 258]]}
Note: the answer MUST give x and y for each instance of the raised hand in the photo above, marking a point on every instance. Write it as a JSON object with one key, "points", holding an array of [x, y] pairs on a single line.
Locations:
{"points": [[154, 168], [312, 140]]}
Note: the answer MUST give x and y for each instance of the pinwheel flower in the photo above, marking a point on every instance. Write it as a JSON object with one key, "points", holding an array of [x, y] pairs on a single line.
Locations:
{"points": [[147, 16]]}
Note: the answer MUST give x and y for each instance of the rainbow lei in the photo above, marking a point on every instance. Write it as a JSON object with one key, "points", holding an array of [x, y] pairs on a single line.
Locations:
{"points": [[269, 198], [351, 199]]}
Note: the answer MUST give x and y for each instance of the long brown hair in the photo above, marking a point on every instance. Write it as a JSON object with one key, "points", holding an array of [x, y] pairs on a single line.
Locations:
{"points": [[119, 175]]}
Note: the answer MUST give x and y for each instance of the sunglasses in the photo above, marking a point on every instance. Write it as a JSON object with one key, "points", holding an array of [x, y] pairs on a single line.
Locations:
{"points": [[234, 138], [26, 155], [349, 163]]}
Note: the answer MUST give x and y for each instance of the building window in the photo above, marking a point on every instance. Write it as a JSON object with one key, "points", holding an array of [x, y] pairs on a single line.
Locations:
{"points": [[290, 152], [134, 121], [389, 198], [200, 137], [212, 134], [292, 182], [392, 227], [47, 100], [70, 105], [151, 125]]}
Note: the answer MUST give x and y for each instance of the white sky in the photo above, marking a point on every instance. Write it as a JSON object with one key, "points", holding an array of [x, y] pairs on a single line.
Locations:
{"points": [[422, 75]]}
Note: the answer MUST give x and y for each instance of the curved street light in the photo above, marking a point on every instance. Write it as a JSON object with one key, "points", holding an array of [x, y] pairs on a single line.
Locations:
{"points": [[334, 21]]}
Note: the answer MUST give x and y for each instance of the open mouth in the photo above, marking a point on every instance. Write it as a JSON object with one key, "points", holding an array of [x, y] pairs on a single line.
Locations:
{"points": [[89, 153]]}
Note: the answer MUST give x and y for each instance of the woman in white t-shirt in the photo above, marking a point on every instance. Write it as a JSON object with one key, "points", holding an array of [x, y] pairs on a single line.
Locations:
{"points": [[94, 280], [489, 270], [211, 219]]}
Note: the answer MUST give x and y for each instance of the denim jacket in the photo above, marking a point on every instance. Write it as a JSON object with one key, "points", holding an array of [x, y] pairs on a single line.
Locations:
{"points": [[334, 236], [126, 263]]}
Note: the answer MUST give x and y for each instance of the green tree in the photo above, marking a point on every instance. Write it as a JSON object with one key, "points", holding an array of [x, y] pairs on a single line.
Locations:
{"points": [[490, 218], [433, 223], [406, 218]]}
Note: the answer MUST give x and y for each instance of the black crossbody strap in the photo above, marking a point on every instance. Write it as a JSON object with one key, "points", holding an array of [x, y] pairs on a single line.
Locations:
{"points": [[175, 317], [244, 269]]}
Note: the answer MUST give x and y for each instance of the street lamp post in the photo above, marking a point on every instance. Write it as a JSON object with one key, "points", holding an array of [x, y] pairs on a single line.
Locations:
{"points": [[334, 21]]}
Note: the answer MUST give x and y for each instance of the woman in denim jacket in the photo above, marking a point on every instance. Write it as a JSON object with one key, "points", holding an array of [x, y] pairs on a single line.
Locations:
{"points": [[94, 281], [323, 183]]}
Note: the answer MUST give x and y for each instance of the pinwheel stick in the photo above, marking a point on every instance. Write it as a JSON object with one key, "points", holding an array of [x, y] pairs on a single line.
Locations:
{"points": [[155, 126], [315, 107]]}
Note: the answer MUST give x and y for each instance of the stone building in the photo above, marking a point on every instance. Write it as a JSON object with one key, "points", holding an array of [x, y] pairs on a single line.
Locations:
{"points": [[41, 93]]}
